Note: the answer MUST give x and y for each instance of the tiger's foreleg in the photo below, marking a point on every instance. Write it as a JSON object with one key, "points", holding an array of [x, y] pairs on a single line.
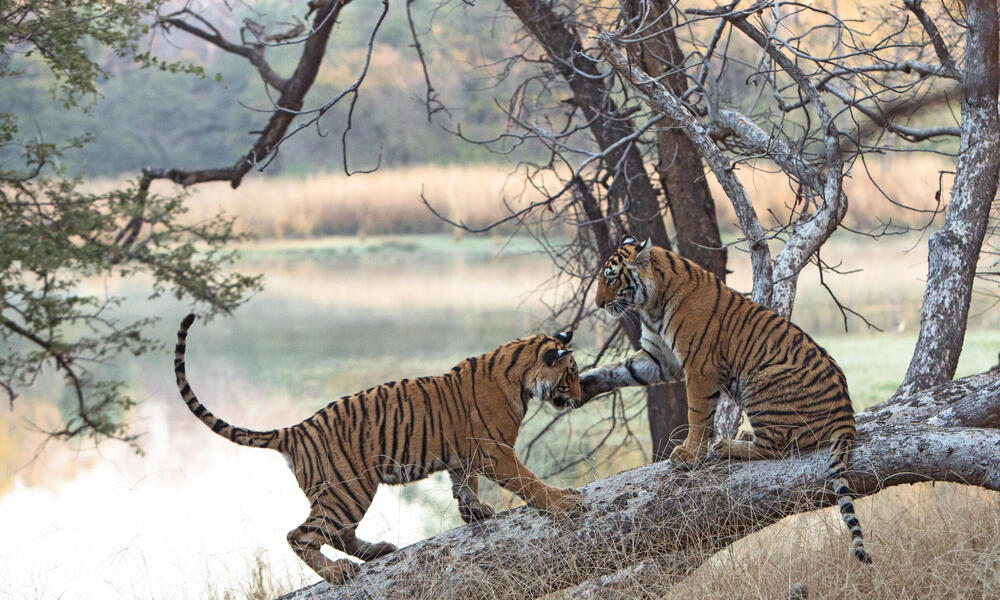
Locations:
{"points": [[644, 367], [465, 489], [702, 395], [504, 467]]}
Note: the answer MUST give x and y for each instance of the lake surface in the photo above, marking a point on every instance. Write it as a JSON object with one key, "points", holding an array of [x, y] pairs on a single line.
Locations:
{"points": [[190, 516]]}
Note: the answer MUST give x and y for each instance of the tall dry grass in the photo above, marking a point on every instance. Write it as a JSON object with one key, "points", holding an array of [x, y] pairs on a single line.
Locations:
{"points": [[384, 202], [880, 190], [928, 541], [388, 201]]}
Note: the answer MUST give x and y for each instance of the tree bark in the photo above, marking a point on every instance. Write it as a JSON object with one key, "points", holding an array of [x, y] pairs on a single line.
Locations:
{"points": [[954, 250], [676, 520]]}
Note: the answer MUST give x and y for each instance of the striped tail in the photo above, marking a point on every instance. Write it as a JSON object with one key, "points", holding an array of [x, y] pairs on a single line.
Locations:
{"points": [[257, 439], [838, 467]]}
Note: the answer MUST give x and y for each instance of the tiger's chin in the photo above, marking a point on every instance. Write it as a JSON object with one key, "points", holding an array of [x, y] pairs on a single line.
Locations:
{"points": [[564, 404], [617, 309]]}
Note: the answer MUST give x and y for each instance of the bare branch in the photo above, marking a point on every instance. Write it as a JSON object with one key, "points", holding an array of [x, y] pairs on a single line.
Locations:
{"points": [[882, 120], [254, 54], [666, 103], [287, 107], [431, 101], [940, 48], [809, 234]]}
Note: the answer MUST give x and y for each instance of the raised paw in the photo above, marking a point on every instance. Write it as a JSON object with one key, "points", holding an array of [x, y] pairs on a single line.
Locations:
{"points": [[568, 503], [475, 511]]}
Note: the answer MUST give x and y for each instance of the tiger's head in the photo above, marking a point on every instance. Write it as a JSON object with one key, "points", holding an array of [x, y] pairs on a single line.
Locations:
{"points": [[625, 282], [556, 379]]}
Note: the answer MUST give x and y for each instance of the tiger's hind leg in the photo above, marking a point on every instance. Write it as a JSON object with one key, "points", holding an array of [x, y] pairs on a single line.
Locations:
{"points": [[330, 522], [306, 541], [465, 489]]}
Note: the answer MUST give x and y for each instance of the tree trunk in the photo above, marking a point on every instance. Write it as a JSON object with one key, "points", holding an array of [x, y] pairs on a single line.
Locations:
{"points": [[675, 520], [679, 167], [685, 188], [631, 182], [590, 93], [954, 250]]}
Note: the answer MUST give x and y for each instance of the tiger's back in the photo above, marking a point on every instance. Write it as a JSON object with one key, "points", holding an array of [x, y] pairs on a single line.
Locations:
{"points": [[464, 422]]}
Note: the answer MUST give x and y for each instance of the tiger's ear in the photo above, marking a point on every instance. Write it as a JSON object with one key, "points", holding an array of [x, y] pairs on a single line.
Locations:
{"points": [[553, 354], [645, 254], [626, 240], [564, 336]]}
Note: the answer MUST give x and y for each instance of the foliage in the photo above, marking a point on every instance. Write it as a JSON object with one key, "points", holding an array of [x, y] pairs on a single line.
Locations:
{"points": [[54, 238]]}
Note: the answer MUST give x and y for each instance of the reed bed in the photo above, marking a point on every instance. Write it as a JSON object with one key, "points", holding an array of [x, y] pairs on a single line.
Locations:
{"points": [[388, 201]]}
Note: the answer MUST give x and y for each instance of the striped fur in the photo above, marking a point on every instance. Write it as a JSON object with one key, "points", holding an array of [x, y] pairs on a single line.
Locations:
{"points": [[465, 421], [793, 393]]}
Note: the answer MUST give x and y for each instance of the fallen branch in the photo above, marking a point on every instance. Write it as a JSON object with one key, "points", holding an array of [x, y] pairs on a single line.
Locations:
{"points": [[675, 520]]}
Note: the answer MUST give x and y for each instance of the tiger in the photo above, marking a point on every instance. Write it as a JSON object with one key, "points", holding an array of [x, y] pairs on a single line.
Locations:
{"points": [[793, 393], [464, 421]]}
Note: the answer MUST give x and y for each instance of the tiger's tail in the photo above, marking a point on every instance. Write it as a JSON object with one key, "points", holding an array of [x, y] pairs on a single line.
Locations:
{"points": [[273, 439], [838, 468]]}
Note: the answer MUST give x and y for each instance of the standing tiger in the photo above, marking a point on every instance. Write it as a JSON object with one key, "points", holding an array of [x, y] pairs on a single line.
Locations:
{"points": [[793, 393], [465, 421]]}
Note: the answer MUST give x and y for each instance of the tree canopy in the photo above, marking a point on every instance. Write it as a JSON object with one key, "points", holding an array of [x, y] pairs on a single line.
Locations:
{"points": [[54, 233]]}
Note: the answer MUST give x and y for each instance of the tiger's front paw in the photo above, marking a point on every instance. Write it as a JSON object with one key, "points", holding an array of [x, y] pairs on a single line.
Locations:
{"points": [[684, 459], [568, 503]]}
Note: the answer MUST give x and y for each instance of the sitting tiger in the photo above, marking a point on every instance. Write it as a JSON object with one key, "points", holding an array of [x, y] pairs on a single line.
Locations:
{"points": [[465, 421], [793, 393]]}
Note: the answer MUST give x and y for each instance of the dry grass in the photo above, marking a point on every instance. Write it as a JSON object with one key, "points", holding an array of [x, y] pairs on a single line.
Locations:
{"points": [[910, 180], [384, 202], [388, 201], [260, 583], [928, 541]]}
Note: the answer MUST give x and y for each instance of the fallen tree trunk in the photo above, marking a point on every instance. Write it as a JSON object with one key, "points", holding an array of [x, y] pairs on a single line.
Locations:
{"points": [[677, 519]]}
